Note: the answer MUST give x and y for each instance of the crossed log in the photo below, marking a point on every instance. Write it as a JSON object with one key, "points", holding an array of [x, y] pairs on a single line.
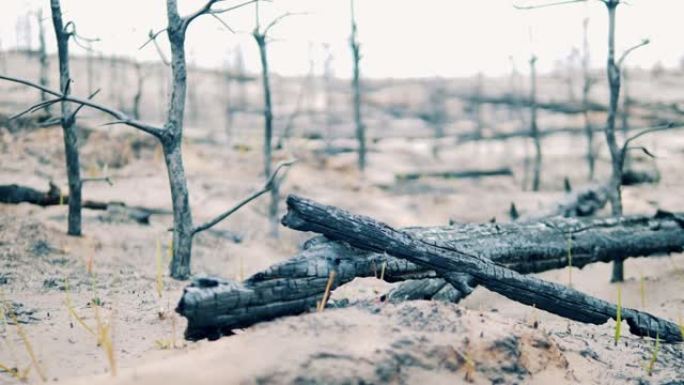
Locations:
{"points": [[446, 263]]}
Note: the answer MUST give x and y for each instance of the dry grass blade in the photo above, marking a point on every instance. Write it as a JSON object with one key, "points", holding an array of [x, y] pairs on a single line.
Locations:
{"points": [[326, 295]]}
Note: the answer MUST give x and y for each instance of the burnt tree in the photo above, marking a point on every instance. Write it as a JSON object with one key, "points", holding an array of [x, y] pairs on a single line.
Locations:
{"points": [[68, 120], [356, 90], [170, 134], [534, 128]]}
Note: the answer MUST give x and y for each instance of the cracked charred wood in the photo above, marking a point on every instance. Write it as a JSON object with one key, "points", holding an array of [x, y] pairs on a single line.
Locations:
{"points": [[459, 174], [369, 234], [15, 194], [215, 306]]}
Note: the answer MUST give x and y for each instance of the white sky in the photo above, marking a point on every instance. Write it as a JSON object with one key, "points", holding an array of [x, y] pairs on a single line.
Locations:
{"points": [[400, 38]]}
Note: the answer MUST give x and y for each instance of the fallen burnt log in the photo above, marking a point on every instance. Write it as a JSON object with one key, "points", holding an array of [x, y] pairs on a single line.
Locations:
{"points": [[457, 174], [214, 306], [15, 194], [368, 234]]}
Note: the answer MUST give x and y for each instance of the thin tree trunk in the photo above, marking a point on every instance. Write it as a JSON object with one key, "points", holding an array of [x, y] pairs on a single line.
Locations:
{"points": [[586, 88], [534, 129], [68, 124], [268, 131], [615, 191], [329, 110], [137, 98], [43, 58], [172, 147], [356, 89]]}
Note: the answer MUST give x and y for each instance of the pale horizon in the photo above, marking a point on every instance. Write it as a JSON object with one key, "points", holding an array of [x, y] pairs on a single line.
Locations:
{"points": [[439, 38]]}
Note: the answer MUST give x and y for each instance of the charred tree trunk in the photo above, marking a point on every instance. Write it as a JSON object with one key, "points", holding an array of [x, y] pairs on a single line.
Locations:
{"points": [[268, 127], [534, 129], [172, 147], [586, 88], [182, 214], [615, 184], [43, 58], [356, 89], [368, 234], [293, 286], [68, 123]]}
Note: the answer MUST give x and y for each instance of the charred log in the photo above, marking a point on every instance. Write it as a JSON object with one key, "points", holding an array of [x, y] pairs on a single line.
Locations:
{"points": [[371, 235], [214, 306]]}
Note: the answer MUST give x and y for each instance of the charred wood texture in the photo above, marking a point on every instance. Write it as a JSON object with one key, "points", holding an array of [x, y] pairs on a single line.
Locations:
{"points": [[369, 234], [214, 306]]}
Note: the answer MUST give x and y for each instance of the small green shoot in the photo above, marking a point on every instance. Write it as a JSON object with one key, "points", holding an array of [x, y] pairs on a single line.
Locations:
{"points": [[654, 356], [681, 325], [382, 271], [618, 316]]}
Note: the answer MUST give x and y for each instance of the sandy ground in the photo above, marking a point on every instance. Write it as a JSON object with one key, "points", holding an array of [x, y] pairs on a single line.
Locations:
{"points": [[484, 339]]}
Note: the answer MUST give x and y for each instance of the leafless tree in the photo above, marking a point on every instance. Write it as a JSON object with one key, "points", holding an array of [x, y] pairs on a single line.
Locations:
{"points": [[617, 152], [68, 120], [587, 83], [170, 134], [260, 35], [356, 89], [140, 83], [42, 57], [328, 76], [534, 128]]}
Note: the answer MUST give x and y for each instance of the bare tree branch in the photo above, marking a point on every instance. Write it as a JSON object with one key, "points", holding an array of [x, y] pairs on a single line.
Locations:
{"points": [[222, 22], [630, 50], [207, 10], [120, 116], [625, 146], [279, 19], [267, 187], [545, 5]]}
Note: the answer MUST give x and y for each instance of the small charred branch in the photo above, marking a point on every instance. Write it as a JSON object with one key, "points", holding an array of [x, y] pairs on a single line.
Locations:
{"points": [[506, 171], [293, 286], [368, 234], [15, 194]]}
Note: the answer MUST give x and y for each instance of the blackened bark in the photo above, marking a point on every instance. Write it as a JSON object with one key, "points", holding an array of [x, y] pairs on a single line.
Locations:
{"points": [[368, 234], [293, 286], [68, 123], [172, 147]]}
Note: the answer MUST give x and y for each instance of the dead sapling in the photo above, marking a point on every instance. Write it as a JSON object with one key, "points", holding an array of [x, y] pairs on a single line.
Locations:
{"points": [[169, 134]]}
